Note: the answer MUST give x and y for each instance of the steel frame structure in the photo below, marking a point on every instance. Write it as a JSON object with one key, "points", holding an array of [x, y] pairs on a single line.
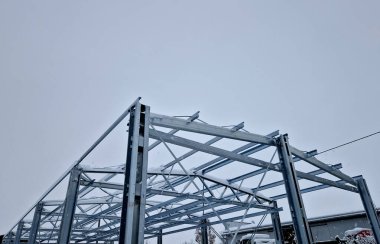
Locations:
{"points": [[179, 196]]}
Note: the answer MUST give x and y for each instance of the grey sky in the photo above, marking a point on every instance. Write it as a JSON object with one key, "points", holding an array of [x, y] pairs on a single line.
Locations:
{"points": [[68, 69]]}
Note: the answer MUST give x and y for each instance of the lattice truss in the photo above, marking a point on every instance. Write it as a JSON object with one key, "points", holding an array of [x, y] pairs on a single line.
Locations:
{"points": [[222, 174]]}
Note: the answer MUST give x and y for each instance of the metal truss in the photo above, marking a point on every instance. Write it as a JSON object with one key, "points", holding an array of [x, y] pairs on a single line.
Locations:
{"points": [[131, 202]]}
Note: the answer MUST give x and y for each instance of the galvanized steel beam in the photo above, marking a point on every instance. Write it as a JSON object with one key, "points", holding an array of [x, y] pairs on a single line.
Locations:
{"points": [[35, 223], [18, 235], [276, 222], [159, 237], [369, 208], [300, 223], [315, 162], [133, 210], [213, 222], [69, 206], [210, 149], [204, 232], [180, 124]]}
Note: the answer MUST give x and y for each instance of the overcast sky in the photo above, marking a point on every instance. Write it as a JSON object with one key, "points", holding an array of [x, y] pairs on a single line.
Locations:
{"points": [[69, 68]]}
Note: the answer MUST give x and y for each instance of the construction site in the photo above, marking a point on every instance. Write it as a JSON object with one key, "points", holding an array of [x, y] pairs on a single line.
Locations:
{"points": [[183, 174]]}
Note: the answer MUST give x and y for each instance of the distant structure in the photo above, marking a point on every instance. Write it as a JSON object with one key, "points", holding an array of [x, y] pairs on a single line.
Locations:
{"points": [[130, 202], [324, 229]]}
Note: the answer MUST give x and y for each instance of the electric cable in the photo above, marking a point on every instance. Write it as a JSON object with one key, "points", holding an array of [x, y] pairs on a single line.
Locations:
{"points": [[350, 142]]}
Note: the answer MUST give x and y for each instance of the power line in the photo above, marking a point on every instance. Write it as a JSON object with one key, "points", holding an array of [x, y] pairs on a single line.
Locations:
{"points": [[359, 139]]}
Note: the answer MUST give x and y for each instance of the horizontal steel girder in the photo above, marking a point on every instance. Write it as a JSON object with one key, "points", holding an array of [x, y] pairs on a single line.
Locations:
{"points": [[180, 124]]}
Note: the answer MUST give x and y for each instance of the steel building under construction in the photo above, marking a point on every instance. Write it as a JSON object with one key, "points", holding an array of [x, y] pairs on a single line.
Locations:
{"points": [[214, 175]]}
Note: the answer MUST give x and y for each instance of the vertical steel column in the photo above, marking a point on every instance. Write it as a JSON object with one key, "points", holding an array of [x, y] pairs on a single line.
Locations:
{"points": [[133, 210], [369, 207], [204, 232], [159, 237], [301, 226], [277, 230], [69, 206], [35, 223], [20, 226]]}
